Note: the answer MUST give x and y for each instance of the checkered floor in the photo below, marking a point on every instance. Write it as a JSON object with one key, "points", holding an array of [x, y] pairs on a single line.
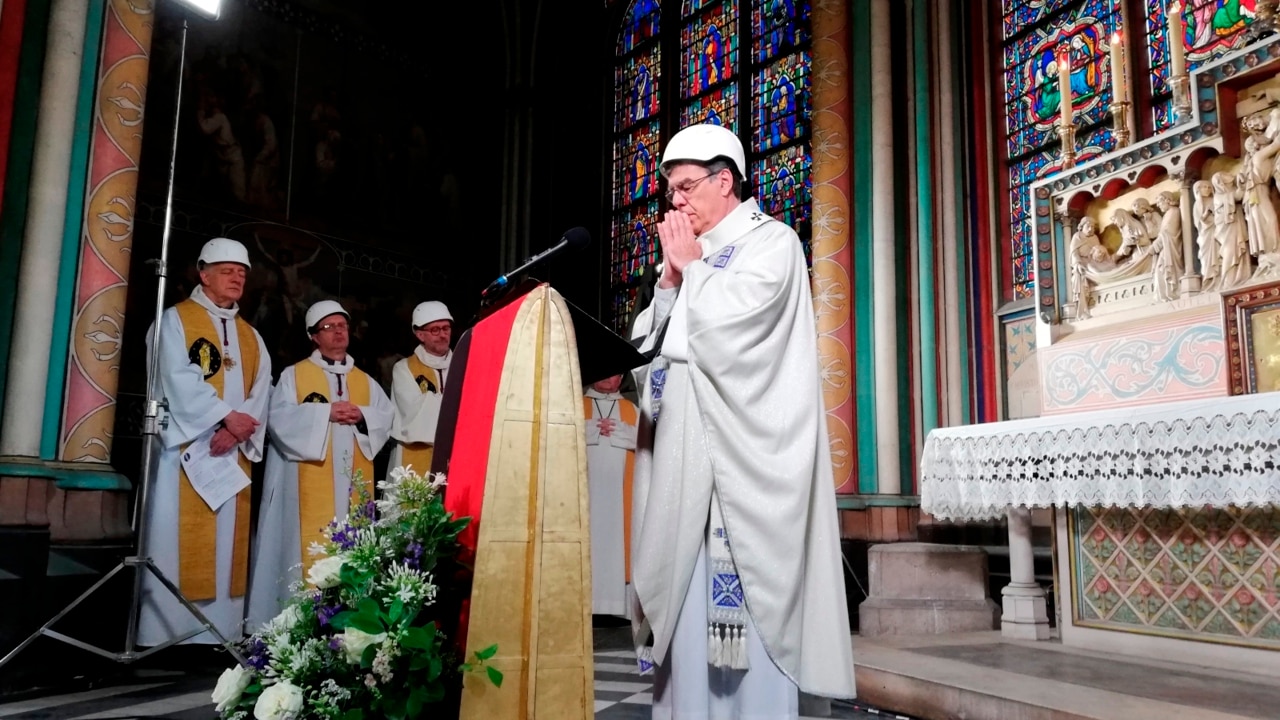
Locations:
{"points": [[621, 693]]}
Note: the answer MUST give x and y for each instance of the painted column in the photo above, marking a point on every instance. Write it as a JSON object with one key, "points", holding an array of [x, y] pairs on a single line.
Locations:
{"points": [[888, 473], [1191, 279], [97, 326], [926, 224], [954, 361], [832, 251], [1025, 615], [42, 239]]}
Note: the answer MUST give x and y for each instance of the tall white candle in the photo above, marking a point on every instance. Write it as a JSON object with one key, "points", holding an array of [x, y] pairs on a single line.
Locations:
{"points": [[1064, 86], [1119, 85], [1177, 51]]}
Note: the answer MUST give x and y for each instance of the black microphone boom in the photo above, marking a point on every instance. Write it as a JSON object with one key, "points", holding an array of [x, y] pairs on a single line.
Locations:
{"points": [[574, 239]]}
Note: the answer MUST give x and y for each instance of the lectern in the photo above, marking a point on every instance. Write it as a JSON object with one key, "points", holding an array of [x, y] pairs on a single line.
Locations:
{"points": [[511, 440]]}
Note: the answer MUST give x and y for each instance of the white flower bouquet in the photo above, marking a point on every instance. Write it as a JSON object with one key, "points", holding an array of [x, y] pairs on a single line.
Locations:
{"points": [[360, 639]]}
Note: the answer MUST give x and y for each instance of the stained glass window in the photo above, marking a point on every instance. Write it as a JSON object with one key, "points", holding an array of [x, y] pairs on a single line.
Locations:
{"points": [[636, 146], [778, 27], [1210, 28], [1035, 33], [709, 47]]}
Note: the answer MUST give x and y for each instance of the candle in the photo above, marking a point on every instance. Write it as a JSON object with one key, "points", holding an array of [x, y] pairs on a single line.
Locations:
{"points": [[1177, 52], [1119, 88], [1064, 86]]}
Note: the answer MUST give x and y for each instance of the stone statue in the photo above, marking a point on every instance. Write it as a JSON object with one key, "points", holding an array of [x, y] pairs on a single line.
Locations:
{"points": [[1230, 232], [1086, 251], [1133, 232], [1150, 218], [1167, 248], [1206, 235], [1254, 182]]}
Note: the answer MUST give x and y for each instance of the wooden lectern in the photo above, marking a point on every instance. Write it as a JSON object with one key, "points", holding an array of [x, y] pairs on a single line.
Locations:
{"points": [[511, 441]]}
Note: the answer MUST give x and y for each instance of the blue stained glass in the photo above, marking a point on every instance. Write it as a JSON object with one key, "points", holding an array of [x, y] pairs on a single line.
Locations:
{"points": [[691, 7], [635, 88], [778, 27], [641, 23], [1210, 29], [1163, 115], [635, 242], [719, 107], [1023, 278], [780, 102], [635, 163], [1022, 239], [1019, 14], [784, 188], [624, 303], [709, 48]]}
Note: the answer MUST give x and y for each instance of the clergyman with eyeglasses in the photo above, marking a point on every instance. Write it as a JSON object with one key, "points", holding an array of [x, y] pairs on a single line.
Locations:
{"points": [[331, 419], [417, 387], [739, 592]]}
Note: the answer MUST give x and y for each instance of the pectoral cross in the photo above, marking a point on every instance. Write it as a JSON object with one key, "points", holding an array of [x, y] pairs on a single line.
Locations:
{"points": [[228, 362]]}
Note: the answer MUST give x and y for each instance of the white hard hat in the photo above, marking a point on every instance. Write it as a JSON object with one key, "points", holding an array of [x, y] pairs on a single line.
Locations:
{"points": [[219, 250], [322, 310], [702, 144], [429, 312]]}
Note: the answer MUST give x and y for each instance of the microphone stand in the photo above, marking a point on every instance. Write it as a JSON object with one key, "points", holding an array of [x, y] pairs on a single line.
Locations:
{"points": [[154, 420], [498, 287]]}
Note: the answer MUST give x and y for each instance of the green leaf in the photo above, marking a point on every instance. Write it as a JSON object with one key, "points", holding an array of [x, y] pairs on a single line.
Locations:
{"points": [[369, 606], [433, 670], [366, 660], [353, 714], [495, 675], [366, 623], [417, 638], [435, 693], [342, 620], [419, 661], [397, 609], [488, 652]]}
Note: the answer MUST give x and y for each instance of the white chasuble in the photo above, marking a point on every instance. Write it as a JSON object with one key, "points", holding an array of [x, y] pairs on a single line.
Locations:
{"points": [[740, 421], [306, 449], [610, 472], [417, 389], [186, 372]]}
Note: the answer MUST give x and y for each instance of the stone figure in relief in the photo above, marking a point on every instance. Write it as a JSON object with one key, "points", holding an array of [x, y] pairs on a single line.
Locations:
{"points": [[1135, 239], [1230, 232], [1206, 234], [1254, 182], [1150, 218], [1167, 248], [1086, 252]]}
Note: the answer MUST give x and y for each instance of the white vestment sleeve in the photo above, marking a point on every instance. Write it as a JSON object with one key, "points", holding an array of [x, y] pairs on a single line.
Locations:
{"points": [[194, 406], [300, 431], [416, 412], [593, 430], [255, 405], [378, 415], [624, 436]]}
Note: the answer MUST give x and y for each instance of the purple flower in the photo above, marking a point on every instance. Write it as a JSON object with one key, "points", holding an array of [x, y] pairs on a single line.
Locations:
{"points": [[335, 643], [325, 613], [413, 554], [344, 537], [257, 654]]}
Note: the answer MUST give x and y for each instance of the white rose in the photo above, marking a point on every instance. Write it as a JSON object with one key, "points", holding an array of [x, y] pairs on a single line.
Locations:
{"points": [[282, 701], [355, 641], [230, 687], [326, 572], [286, 619]]}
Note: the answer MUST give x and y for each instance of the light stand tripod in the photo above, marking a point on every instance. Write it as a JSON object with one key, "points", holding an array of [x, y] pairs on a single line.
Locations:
{"points": [[154, 420]]}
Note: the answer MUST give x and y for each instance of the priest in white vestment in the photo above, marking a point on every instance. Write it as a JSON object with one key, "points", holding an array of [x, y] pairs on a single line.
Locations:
{"points": [[735, 561], [215, 373], [328, 421], [417, 387], [611, 444]]}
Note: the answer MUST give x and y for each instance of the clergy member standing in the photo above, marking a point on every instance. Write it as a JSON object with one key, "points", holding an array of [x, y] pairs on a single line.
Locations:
{"points": [[733, 454], [611, 445], [330, 420], [417, 387], [215, 374]]}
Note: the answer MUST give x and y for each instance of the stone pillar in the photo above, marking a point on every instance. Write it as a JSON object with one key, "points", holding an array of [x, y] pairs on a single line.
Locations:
{"points": [[1025, 612], [97, 325], [832, 251], [884, 270], [955, 365], [1070, 221], [24, 399], [1190, 278]]}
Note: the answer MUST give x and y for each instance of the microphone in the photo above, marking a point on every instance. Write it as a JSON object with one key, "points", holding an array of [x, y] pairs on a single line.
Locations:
{"points": [[573, 239]]}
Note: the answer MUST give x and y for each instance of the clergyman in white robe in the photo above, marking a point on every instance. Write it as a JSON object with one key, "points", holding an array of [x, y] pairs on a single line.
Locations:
{"points": [[195, 410], [740, 430], [608, 459], [301, 432], [417, 400]]}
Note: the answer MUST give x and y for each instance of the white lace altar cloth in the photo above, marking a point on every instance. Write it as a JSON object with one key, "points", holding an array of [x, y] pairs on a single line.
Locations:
{"points": [[1214, 452]]}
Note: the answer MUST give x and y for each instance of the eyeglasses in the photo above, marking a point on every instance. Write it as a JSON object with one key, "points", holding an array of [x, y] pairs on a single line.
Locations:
{"points": [[332, 326], [685, 187], [437, 330]]}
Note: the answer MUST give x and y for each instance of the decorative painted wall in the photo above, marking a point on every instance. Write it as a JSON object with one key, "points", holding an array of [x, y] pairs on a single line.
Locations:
{"points": [[1196, 574], [1175, 357], [107, 240]]}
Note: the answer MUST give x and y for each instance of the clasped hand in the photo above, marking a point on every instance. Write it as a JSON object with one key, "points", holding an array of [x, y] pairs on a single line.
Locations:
{"points": [[237, 427], [345, 413], [607, 426], [679, 247]]}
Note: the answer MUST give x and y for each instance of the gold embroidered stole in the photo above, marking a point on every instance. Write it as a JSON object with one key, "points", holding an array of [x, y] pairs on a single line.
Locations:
{"points": [[197, 524], [419, 454], [317, 506], [627, 413]]}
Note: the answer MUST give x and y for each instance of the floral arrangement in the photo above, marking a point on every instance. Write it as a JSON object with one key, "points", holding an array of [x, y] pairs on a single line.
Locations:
{"points": [[358, 640]]}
